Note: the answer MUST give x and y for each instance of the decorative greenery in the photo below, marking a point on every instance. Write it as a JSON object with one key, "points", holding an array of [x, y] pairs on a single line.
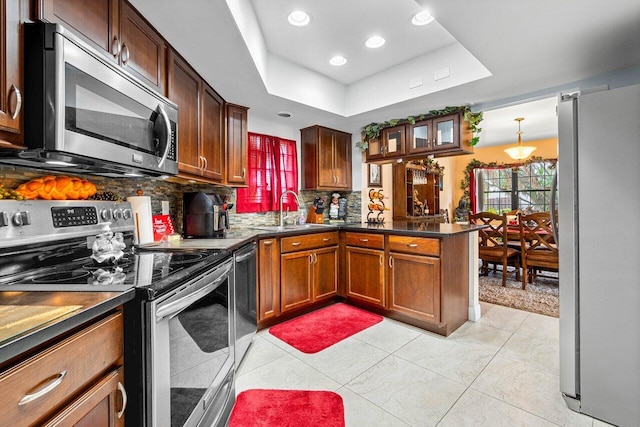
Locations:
{"points": [[430, 165], [372, 130], [475, 164]]}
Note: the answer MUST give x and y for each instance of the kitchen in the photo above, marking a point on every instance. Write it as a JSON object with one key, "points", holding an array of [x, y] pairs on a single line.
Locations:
{"points": [[617, 67]]}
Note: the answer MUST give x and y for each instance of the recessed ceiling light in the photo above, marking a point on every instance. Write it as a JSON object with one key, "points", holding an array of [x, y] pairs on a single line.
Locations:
{"points": [[338, 60], [284, 114], [422, 18], [374, 42], [298, 18]]}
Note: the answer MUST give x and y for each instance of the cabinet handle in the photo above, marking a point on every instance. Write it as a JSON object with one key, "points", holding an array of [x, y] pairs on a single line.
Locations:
{"points": [[412, 245], [310, 258], [390, 261], [115, 47], [326, 239], [381, 259], [296, 243], [125, 54], [15, 90], [206, 162], [44, 390], [364, 240], [244, 173], [315, 258], [124, 399], [337, 179], [267, 242]]}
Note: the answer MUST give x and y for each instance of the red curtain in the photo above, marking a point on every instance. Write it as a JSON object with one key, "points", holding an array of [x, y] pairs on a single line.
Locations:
{"points": [[273, 168]]}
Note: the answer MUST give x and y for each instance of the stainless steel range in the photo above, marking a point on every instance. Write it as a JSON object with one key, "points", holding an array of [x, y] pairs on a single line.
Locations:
{"points": [[179, 329]]}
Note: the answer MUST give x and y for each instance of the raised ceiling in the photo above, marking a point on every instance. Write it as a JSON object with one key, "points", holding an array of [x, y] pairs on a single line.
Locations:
{"points": [[530, 49]]}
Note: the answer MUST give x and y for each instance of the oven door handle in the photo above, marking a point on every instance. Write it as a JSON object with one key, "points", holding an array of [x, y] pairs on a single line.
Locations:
{"points": [[174, 307], [167, 128]]}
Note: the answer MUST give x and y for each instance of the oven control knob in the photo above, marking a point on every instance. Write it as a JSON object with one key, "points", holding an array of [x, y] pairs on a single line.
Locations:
{"points": [[117, 214], [105, 214], [4, 219], [127, 214], [21, 218]]}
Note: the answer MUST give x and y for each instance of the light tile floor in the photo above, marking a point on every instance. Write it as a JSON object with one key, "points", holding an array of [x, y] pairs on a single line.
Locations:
{"points": [[500, 371]]}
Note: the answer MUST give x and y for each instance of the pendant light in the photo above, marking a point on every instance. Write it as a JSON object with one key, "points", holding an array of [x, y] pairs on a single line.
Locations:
{"points": [[519, 152]]}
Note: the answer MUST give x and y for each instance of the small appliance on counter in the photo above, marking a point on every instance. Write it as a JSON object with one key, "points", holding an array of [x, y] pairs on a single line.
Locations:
{"points": [[204, 215]]}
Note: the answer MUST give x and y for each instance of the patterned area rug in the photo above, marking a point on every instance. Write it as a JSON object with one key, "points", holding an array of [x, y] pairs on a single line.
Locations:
{"points": [[539, 297]]}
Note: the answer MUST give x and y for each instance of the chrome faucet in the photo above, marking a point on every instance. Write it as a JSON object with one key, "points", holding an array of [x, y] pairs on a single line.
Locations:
{"points": [[282, 197]]}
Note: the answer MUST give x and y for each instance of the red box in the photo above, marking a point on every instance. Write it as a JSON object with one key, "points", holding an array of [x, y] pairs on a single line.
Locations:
{"points": [[162, 226]]}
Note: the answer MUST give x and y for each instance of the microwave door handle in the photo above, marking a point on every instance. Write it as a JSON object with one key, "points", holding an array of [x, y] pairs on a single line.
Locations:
{"points": [[167, 124]]}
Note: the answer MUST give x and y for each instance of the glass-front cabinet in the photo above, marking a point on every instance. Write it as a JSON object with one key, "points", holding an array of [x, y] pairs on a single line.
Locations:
{"points": [[446, 135], [391, 143]]}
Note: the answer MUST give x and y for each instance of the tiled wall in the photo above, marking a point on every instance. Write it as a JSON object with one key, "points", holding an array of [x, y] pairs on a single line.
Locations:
{"points": [[159, 190]]}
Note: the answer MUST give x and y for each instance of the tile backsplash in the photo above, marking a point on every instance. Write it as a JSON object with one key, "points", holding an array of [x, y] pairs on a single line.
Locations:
{"points": [[159, 190]]}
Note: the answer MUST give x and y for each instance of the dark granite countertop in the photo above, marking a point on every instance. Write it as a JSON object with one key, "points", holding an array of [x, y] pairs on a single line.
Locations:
{"points": [[92, 304]]}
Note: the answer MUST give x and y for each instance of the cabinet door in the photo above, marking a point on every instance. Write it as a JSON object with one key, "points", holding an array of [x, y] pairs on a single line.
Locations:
{"points": [[101, 405], [183, 89], [237, 144], [365, 275], [414, 286], [268, 279], [375, 150], [325, 273], [11, 89], [342, 161], [211, 138], [96, 20], [446, 133], [295, 280], [420, 137], [393, 141], [326, 171], [143, 51]]}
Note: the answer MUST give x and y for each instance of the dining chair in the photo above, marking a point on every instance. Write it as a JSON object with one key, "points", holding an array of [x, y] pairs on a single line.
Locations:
{"points": [[493, 247], [537, 245]]}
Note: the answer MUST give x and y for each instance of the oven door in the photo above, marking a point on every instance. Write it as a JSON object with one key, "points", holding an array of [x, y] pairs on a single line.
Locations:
{"points": [[192, 351]]}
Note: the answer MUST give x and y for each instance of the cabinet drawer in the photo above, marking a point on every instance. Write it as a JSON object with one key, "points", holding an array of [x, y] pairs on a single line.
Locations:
{"points": [[414, 245], [308, 241], [365, 240], [63, 369]]}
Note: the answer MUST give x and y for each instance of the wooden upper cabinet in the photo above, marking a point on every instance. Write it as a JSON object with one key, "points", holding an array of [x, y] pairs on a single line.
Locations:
{"points": [[326, 159], [11, 82], [96, 20], [184, 90], [116, 28], [237, 145], [142, 51], [212, 136]]}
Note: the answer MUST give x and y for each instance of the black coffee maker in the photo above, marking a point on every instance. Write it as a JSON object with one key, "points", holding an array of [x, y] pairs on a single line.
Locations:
{"points": [[204, 215]]}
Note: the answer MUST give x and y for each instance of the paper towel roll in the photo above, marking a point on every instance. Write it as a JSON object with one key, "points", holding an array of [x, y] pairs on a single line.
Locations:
{"points": [[141, 208]]}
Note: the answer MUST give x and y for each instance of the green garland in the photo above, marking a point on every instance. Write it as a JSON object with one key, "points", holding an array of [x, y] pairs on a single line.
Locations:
{"points": [[372, 130], [475, 164]]}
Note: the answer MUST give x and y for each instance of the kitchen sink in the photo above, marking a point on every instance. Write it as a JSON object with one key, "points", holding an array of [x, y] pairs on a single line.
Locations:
{"points": [[292, 227]]}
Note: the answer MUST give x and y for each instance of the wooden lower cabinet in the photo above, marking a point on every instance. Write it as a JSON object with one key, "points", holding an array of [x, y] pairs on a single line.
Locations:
{"points": [[365, 275], [414, 286], [76, 381], [268, 279], [307, 277], [101, 405]]}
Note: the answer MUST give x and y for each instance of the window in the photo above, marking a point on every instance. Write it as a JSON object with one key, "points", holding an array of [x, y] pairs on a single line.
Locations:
{"points": [[273, 168], [525, 187]]}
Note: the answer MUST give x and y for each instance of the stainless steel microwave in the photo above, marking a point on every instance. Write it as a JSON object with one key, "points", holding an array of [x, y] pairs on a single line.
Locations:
{"points": [[85, 113]]}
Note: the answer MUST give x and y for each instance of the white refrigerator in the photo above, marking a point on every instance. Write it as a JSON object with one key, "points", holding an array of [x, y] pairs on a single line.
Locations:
{"points": [[599, 243]]}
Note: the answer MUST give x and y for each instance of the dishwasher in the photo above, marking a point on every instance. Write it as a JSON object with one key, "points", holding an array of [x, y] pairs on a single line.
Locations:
{"points": [[246, 321]]}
